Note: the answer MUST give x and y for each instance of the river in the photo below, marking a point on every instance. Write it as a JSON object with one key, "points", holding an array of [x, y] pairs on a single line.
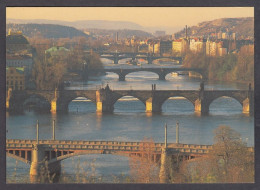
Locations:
{"points": [[129, 122]]}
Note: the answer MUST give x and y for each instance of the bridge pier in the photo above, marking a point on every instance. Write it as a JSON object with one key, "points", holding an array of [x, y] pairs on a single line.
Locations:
{"points": [[121, 77], [152, 106], [41, 170], [115, 61], [201, 107], [164, 175], [248, 106], [162, 76], [7, 103], [103, 101], [54, 102]]}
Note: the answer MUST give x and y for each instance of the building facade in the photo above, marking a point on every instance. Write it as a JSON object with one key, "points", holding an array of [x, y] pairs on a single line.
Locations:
{"points": [[15, 78], [165, 47], [24, 61]]}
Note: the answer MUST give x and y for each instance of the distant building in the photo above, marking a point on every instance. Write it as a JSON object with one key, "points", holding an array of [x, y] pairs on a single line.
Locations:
{"points": [[233, 35], [177, 46], [57, 51], [165, 46], [143, 48], [159, 33], [133, 41], [224, 35], [180, 46], [219, 35], [197, 45], [154, 47], [24, 61], [15, 78], [17, 43], [211, 48], [222, 51]]}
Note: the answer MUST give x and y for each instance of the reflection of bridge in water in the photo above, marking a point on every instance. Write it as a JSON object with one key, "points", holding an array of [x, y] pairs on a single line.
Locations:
{"points": [[105, 98]]}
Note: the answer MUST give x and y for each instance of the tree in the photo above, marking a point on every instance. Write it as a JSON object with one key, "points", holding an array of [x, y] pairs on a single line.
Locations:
{"points": [[233, 160], [143, 168], [229, 161]]}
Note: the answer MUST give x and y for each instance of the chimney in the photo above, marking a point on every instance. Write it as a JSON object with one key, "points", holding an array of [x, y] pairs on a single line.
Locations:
{"points": [[186, 32]]}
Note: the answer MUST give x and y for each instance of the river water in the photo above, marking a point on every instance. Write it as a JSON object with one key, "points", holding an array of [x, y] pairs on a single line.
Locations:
{"points": [[129, 122]]}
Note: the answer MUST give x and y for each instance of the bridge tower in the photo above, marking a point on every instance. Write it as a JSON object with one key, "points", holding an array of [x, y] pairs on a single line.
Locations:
{"points": [[104, 100]]}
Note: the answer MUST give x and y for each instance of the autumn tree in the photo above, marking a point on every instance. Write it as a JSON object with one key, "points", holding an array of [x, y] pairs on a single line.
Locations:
{"points": [[229, 161], [143, 168], [48, 72]]}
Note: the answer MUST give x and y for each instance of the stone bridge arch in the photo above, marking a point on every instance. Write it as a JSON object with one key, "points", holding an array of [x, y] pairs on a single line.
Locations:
{"points": [[39, 101], [154, 104], [243, 97], [67, 97], [18, 99]]}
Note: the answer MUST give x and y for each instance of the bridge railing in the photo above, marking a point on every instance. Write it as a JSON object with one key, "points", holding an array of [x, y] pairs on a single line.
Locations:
{"points": [[101, 145]]}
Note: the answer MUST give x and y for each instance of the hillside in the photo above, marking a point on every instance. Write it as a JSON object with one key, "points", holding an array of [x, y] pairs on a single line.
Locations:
{"points": [[243, 27], [80, 24], [122, 34], [46, 30]]}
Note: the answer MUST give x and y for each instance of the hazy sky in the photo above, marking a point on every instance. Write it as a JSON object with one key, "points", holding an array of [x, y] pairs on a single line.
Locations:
{"points": [[145, 16]]}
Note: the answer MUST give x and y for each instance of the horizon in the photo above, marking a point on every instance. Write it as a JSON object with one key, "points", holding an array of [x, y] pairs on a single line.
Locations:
{"points": [[138, 15]]}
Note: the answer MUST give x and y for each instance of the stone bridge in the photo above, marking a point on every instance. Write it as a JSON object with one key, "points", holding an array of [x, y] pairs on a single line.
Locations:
{"points": [[116, 56], [42, 153], [105, 98], [161, 72]]}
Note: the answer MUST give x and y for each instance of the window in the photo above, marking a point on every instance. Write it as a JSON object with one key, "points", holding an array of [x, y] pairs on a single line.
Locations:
{"points": [[21, 83]]}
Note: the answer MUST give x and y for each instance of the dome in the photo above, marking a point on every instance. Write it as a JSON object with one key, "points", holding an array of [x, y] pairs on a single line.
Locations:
{"points": [[16, 39]]}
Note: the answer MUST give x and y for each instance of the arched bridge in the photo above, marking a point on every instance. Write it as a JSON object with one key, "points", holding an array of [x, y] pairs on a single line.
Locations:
{"points": [[105, 98], [51, 152], [116, 56], [161, 72]]}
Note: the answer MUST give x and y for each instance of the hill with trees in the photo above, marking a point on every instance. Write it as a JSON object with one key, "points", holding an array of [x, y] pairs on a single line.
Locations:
{"points": [[243, 27], [46, 30]]}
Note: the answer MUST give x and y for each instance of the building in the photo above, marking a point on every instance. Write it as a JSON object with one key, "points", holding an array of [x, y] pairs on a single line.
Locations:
{"points": [[177, 46], [222, 51], [143, 48], [197, 45], [15, 78], [57, 51], [165, 47], [180, 46], [159, 33], [211, 48], [24, 61], [154, 47], [17, 43]]}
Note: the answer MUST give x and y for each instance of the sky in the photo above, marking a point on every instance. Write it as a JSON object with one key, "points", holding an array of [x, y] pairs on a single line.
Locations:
{"points": [[144, 16]]}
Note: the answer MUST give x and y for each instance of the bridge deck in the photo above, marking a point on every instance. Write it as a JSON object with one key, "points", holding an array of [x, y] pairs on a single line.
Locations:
{"points": [[69, 145]]}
